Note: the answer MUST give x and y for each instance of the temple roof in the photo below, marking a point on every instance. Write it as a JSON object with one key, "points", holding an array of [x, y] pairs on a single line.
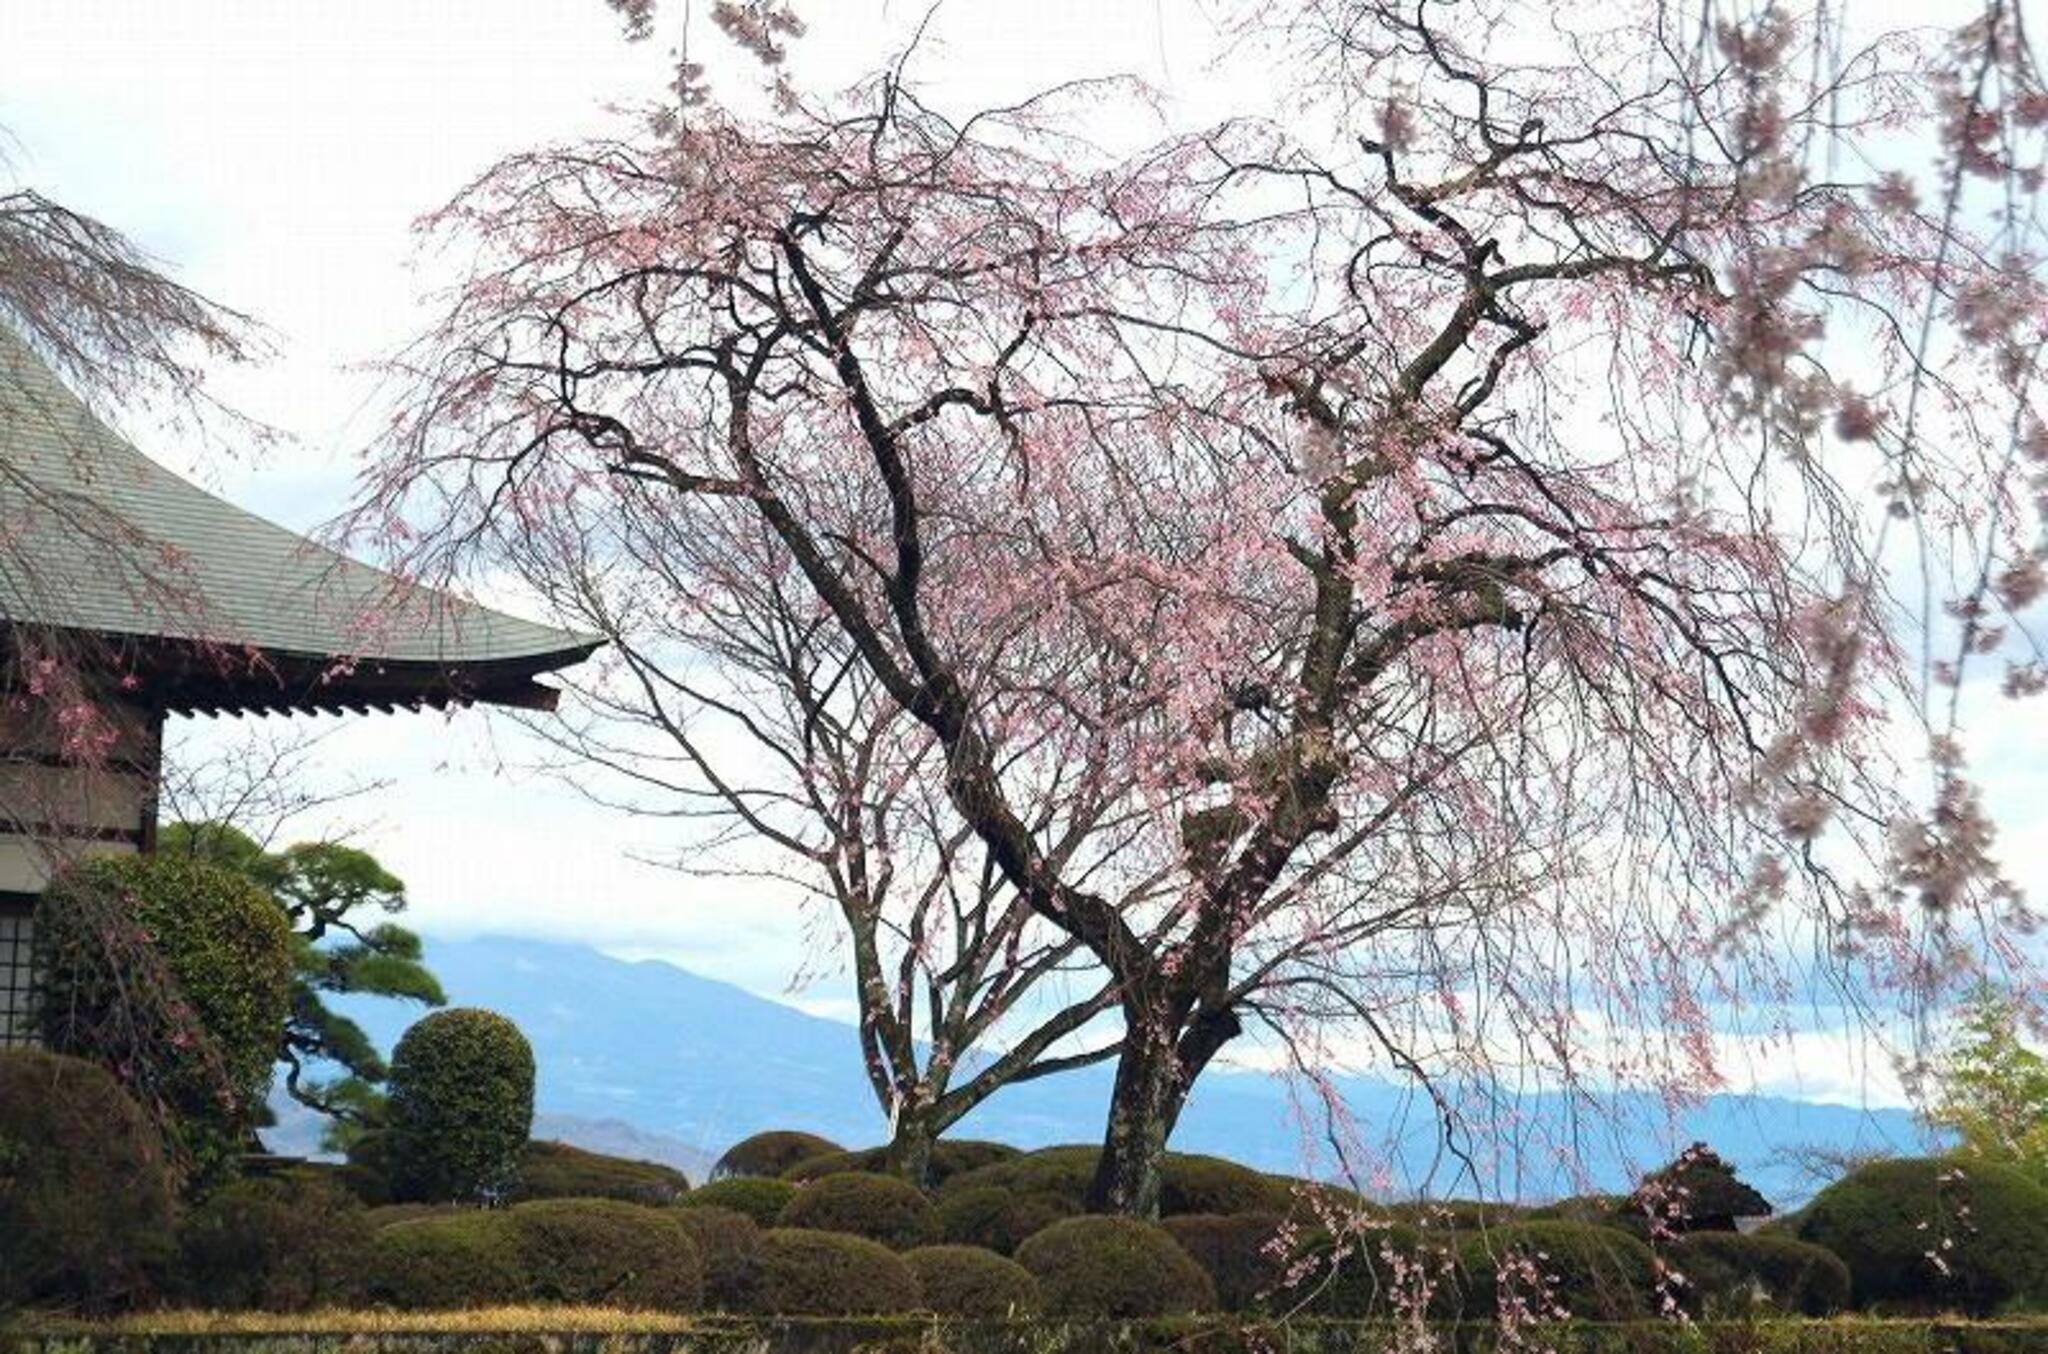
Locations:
{"points": [[215, 606]]}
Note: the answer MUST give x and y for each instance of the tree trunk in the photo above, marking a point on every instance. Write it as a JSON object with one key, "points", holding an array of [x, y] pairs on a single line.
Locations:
{"points": [[910, 1149], [1143, 1105]]}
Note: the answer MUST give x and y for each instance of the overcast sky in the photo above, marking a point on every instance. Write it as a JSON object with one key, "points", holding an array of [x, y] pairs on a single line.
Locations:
{"points": [[275, 154]]}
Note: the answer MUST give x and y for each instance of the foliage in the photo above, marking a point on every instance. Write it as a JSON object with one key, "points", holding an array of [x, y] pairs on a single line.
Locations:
{"points": [[85, 1198], [997, 1219], [555, 1170], [804, 1273], [1550, 1270], [1994, 1089], [1935, 1234], [771, 1153], [1238, 1251], [1114, 1267], [758, 1197], [604, 1251], [729, 1245], [971, 1282], [879, 1207], [1060, 1173], [949, 1157], [1730, 1274], [200, 1060], [327, 891], [464, 1259], [461, 1107], [1375, 1271], [1204, 1184], [385, 1215], [285, 1244], [1697, 1191]]}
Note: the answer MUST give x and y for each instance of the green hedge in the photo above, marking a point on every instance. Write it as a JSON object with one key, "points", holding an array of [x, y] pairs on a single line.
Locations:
{"points": [[803, 1273], [176, 975], [285, 1244], [1099, 1266], [759, 1197], [997, 1219], [970, 1282], [1987, 1224], [461, 1107], [770, 1153], [85, 1198], [1727, 1273], [1594, 1273], [879, 1207], [608, 1253], [950, 1157], [465, 1259], [555, 1170], [729, 1245], [1238, 1253]]}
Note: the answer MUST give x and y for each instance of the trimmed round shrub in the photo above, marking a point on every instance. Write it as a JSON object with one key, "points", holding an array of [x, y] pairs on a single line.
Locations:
{"points": [[1236, 1251], [461, 1107], [1592, 1273], [1733, 1274], [1114, 1267], [996, 1219], [770, 1153], [1987, 1223], [729, 1247], [1454, 1215], [758, 1197], [1212, 1185], [85, 1198], [176, 975], [878, 1207], [949, 1157], [465, 1259], [1379, 1271], [605, 1252], [283, 1244], [555, 1170], [966, 1281], [802, 1273], [1062, 1173]]}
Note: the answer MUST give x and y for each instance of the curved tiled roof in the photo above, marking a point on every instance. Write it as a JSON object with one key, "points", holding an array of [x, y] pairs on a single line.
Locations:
{"points": [[96, 537]]}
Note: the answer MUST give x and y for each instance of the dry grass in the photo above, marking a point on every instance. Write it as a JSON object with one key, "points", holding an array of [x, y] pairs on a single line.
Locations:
{"points": [[370, 1321]]}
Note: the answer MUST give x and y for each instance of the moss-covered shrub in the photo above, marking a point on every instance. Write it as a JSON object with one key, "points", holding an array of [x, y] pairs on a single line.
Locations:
{"points": [[1538, 1268], [1114, 1267], [284, 1244], [1211, 1185], [1728, 1274], [770, 1153], [176, 975], [1452, 1215], [1988, 1224], [85, 1199], [878, 1207], [606, 1252], [555, 1170], [801, 1273], [729, 1247], [1238, 1253], [759, 1197], [461, 1107], [966, 1281], [996, 1219], [465, 1259], [949, 1157]]}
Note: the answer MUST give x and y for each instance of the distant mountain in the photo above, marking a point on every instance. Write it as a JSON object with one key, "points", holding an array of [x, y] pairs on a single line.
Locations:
{"points": [[647, 1059]]}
